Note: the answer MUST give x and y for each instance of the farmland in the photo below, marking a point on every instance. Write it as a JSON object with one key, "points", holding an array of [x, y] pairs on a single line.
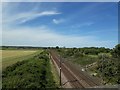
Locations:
{"points": [[10, 57]]}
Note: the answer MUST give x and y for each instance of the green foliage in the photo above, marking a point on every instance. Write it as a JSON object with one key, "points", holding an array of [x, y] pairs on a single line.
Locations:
{"points": [[32, 73], [77, 55], [57, 47], [109, 67], [103, 55], [70, 52], [83, 51], [85, 60], [95, 50], [116, 51]]}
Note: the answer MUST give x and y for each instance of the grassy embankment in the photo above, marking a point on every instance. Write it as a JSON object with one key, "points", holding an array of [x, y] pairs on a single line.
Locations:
{"points": [[32, 72]]}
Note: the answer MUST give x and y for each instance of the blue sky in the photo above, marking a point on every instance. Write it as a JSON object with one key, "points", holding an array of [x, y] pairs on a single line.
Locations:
{"points": [[80, 24]]}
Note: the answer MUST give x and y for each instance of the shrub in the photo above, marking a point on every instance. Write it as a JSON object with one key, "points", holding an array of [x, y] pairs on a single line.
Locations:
{"points": [[32, 73]]}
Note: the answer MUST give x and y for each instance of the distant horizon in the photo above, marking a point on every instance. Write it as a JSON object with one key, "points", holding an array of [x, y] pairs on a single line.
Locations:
{"points": [[55, 46], [51, 24]]}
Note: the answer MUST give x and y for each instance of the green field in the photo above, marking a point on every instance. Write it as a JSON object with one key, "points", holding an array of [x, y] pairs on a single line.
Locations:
{"points": [[10, 57]]}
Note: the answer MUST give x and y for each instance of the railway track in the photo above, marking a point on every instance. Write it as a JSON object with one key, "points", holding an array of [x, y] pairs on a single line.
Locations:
{"points": [[84, 77], [76, 78], [67, 73]]}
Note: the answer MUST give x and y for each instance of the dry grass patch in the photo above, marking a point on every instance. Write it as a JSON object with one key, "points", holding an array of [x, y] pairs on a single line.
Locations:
{"points": [[10, 57]]}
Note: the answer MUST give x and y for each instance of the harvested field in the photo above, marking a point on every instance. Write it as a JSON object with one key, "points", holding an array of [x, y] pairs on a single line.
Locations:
{"points": [[10, 57]]}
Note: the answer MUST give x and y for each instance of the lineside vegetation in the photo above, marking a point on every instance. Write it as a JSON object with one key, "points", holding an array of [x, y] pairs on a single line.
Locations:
{"points": [[100, 62], [34, 72]]}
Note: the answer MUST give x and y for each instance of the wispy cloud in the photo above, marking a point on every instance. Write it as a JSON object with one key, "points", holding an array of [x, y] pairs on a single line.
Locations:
{"points": [[24, 17], [32, 16], [11, 14], [82, 25], [57, 21]]}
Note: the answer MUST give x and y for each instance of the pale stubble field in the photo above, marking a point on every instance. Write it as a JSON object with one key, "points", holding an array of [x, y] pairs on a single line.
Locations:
{"points": [[9, 57]]}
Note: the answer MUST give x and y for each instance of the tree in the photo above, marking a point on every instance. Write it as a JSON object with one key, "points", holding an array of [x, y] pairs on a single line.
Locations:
{"points": [[116, 51], [57, 47]]}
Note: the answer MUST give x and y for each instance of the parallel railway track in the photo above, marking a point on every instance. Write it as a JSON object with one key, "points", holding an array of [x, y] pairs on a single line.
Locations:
{"points": [[77, 79]]}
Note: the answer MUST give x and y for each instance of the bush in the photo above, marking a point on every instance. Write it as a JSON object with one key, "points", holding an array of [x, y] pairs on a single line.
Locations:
{"points": [[32, 73]]}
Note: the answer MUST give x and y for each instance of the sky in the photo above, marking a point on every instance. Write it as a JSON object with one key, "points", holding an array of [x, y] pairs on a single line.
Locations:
{"points": [[69, 24]]}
